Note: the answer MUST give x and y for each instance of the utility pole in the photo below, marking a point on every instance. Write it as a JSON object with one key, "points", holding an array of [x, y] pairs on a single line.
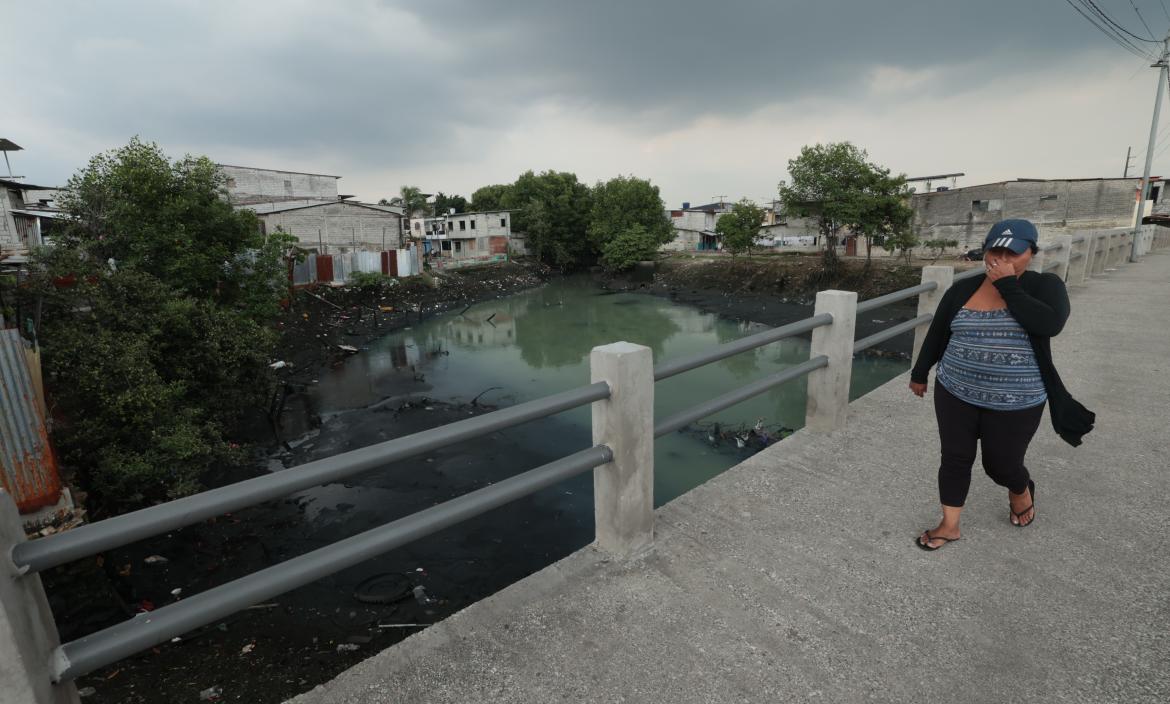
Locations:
{"points": [[1163, 76], [1128, 158]]}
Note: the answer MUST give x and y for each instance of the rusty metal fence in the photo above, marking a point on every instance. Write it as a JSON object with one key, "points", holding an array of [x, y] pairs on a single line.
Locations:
{"points": [[28, 469]]}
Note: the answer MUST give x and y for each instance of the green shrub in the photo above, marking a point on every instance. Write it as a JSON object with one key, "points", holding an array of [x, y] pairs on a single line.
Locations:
{"points": [[369, 280], [629, 247]]}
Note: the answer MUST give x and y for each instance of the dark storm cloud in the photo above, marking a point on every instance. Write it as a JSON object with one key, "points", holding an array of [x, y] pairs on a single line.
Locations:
{"points": [[390, 84], [693, 57]]}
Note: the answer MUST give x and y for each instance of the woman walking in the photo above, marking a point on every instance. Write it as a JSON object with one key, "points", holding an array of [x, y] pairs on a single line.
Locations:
{"points": [[990, 338]]}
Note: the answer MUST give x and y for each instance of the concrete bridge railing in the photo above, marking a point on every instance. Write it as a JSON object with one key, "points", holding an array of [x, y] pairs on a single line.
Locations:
{"points": [[35, 668]]}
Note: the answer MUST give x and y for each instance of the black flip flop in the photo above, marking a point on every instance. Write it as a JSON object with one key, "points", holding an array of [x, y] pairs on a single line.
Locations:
{"points": [[924, 546], [1021, 524]]}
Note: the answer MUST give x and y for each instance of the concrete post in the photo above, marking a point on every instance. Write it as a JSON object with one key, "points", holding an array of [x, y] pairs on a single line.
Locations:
{"points": [[1100, 252], [928, 302], [28, 634], [623, 490], [828, 387], [1063, 255], [1079, 267], [1115, 251]]}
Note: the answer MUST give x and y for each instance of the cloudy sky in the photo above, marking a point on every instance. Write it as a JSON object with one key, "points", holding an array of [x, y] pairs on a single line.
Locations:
{"points": [[704, 99]]}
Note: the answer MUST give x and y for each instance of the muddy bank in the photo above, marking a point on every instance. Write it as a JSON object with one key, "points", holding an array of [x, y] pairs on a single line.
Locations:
{"points": [[776, 290], [319, 321]]}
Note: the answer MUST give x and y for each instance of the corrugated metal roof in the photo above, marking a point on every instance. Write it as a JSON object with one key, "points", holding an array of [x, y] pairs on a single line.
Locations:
{"points": [[21, 185], [28, 469], [51, 214]]}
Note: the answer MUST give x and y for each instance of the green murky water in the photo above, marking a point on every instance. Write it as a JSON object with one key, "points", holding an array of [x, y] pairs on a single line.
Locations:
{"points": [[537, 343]]}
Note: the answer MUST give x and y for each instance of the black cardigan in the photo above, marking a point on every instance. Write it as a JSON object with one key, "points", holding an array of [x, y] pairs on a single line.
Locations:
{"points": [[1039, 303]]}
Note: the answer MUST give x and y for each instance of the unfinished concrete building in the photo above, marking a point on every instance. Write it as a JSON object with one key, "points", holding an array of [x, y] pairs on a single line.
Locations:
{"points": [[1056, 206], [247, 185]]}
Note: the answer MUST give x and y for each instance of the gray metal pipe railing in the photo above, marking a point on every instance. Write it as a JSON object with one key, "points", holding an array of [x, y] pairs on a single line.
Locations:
{"points": [[685, 418], [43, 553], [890, 332], [896, 296], [685, 364], [99, 649]]}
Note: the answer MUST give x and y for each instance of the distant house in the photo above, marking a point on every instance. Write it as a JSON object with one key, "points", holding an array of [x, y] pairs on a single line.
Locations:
{"points": [[465, 237], [28, 214], [1056, 206], [694, 227], [307, 206]]}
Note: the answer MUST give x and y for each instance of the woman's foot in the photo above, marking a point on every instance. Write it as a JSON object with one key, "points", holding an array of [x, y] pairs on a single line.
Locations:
{"points": [[938, 537], [1022, 507]]}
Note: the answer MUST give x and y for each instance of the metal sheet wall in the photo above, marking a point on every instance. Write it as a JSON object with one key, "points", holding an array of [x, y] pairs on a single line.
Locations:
{"points": [[27, 466]]}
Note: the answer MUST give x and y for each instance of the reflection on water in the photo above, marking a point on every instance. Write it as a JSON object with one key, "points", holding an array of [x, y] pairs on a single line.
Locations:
{"points": [[537, 343]]}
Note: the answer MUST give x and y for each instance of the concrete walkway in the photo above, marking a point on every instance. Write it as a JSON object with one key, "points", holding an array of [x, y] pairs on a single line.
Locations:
{"points": [[792, 577]]}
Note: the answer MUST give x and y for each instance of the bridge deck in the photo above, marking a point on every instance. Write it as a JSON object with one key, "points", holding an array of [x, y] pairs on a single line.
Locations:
{"points": [[792, 577]]}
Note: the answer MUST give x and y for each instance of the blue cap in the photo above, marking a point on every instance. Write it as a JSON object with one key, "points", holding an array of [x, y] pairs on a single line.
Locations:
{"points": [[1016, 235]]}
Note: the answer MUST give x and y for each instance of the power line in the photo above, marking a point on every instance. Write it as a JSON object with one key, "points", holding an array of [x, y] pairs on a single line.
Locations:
{"points": [[1114, 36], [1113, 22], [1161, 135], [1164, 11], [1142, 19]]}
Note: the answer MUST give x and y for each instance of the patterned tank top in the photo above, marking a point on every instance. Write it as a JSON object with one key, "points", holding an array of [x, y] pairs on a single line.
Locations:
{"points": [[989, 362]]}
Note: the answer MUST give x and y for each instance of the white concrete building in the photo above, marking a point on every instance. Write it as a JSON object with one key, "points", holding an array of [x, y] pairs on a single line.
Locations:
{"points": [[694, 228], [465, 237]]}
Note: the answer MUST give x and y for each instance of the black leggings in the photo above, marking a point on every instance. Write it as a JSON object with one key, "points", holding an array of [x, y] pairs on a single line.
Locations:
{"points": [[1005, 436]]}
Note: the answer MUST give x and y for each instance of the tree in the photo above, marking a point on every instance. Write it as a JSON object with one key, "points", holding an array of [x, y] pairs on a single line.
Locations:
{"points": [[903, 241], [488, 198], [155, 334], [552, 208], [628, 248], [829, 183], [740, 227], [939, 246], [412, 200], [444, 204], [170, 220], [625, 201], [885, 214]]}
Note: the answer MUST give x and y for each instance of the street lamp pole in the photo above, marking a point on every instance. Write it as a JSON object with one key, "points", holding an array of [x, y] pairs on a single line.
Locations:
{"points": [[1140, 211]]}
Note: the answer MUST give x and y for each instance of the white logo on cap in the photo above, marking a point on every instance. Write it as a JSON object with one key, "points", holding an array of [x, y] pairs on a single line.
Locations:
{"points": [[1006, 232]]}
